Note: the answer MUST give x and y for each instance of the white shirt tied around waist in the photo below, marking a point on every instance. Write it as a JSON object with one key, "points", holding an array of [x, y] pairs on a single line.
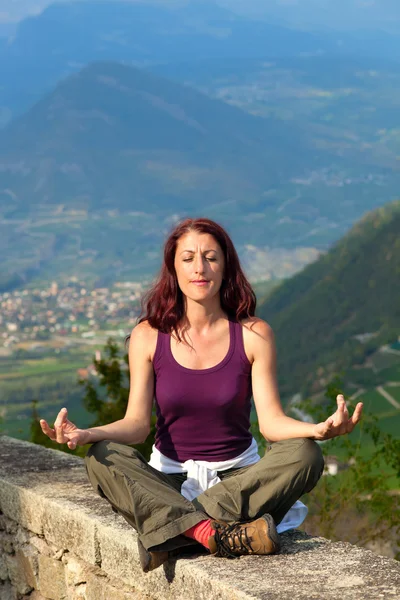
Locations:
{"points": [[203, 474]]}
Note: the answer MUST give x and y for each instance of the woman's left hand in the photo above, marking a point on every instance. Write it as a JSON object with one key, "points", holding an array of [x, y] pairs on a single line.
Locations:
{"points": [[339, 423]]}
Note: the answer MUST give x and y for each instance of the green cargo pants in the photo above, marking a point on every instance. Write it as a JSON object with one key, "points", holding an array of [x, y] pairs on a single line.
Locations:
{"points": [[152, 503]]}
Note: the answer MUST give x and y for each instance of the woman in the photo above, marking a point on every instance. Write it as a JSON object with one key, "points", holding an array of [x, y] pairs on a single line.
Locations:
{"points": [[201, 353]]}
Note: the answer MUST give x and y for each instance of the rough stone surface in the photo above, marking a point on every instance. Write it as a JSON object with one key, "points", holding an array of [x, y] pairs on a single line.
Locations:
{"points": [[86, 552], [52, 578], [22, 571], [7, 592], [98, 588], [35, 595], [75, 572], [3, 567]]}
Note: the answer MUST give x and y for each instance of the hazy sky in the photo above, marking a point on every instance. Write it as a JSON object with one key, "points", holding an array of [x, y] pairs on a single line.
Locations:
{"points": [[305, 13]]}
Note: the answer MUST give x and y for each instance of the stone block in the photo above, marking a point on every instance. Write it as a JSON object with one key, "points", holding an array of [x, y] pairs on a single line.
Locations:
{"points": [[52, 578], [69, 529], [98, 588], [41, 546], [6, 542], [119, 554], [76, 573], [3, 567], [21, 505], [22, 570], [7, 592], [78, 592], [21, 536], [35, 595]]}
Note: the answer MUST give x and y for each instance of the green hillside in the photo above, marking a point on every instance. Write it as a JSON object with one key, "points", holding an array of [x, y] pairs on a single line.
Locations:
{"points": [[117, 137], [352, 290]]}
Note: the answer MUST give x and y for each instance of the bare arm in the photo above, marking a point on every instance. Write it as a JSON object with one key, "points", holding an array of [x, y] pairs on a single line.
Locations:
{"points": [[135, 426], [274, 424]]}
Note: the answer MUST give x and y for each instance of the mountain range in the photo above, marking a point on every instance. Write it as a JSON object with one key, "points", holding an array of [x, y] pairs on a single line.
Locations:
{"points": [[40, 52], [118, 153], [117, 137], [339, 14]]}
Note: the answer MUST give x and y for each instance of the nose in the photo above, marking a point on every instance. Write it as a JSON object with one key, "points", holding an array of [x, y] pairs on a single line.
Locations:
{"points": [[199, 264]]}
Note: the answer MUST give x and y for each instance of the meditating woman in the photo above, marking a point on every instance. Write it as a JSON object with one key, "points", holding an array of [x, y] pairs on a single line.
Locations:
{"points": [[201, 354]]}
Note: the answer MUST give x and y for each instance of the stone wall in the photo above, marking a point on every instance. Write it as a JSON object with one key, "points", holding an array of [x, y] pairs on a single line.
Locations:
{"points": [[28, 563], [59, 541]]}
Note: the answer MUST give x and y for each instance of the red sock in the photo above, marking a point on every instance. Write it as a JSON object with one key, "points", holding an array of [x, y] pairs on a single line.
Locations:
{"points": [[201, 532]]}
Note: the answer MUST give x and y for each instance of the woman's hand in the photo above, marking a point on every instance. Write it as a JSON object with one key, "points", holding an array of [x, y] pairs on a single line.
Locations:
{"points": [[65, 432], [339, 423]]}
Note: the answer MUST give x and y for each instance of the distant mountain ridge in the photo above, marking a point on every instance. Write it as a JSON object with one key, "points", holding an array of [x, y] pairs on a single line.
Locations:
{"points": [[354, 289], [41, 52], [343, 15], [94, 174], [117, 137]]}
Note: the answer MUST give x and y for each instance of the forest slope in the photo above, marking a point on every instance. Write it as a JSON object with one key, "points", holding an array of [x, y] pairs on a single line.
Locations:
{"points": [[352, 290]]}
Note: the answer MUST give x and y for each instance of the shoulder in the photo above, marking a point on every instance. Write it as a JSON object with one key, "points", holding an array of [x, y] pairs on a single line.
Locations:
{"points": [[258, 336], [254, 328], [144, 339]]}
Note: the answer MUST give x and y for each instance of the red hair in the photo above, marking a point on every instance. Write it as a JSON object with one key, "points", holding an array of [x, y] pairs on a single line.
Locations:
{"points": [[163, 306]]}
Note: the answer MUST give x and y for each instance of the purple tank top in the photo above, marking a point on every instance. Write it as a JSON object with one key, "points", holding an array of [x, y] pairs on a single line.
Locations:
{"points": [[203, 414]]}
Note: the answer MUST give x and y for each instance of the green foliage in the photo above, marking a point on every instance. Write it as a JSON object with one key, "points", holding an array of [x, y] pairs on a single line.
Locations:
{"points": [[358, 504], [38, 437], [113, 372], [105, 397]]}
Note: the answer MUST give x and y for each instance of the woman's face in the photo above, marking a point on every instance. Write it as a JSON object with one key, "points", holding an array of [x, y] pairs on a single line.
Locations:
{"points": [[199, 265]]}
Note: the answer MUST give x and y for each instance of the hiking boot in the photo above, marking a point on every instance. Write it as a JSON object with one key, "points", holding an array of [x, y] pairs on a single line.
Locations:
{"points": [[151, 560], [258, 537]]}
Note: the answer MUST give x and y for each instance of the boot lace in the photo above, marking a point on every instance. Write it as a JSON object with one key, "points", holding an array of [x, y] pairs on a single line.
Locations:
{"points": [[232, 540]]}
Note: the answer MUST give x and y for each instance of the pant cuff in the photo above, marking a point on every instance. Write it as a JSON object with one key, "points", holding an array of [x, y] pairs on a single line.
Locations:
{"points": [[173, 529]]}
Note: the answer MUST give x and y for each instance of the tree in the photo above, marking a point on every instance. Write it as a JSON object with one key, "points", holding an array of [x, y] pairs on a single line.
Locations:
{"points": [[114, 378], [106, 397], [361, 504]]}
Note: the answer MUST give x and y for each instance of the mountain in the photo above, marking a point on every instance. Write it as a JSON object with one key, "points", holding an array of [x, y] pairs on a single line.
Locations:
{"points": [[353, 290], [41, 52], [94, 172], [116, 137], [339, 14], [342, 15]]}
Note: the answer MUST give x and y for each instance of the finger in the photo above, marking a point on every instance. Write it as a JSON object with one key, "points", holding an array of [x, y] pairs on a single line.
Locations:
{"points": [[328, 426], [59, 426], [356, 414], [341, 402], [340, 416], [61, 417], [73, 439], [345, 410], [47, 430]]}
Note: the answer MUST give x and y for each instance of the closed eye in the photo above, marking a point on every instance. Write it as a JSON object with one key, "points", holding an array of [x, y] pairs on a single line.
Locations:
{"points": [[209, 259]]}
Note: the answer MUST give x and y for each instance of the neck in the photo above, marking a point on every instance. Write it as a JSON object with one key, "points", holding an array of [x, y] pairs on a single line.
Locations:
{"points": [[201, 317]]}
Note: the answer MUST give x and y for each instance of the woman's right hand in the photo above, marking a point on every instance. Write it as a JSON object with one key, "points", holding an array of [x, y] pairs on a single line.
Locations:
{"points": [[65, 432]]}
